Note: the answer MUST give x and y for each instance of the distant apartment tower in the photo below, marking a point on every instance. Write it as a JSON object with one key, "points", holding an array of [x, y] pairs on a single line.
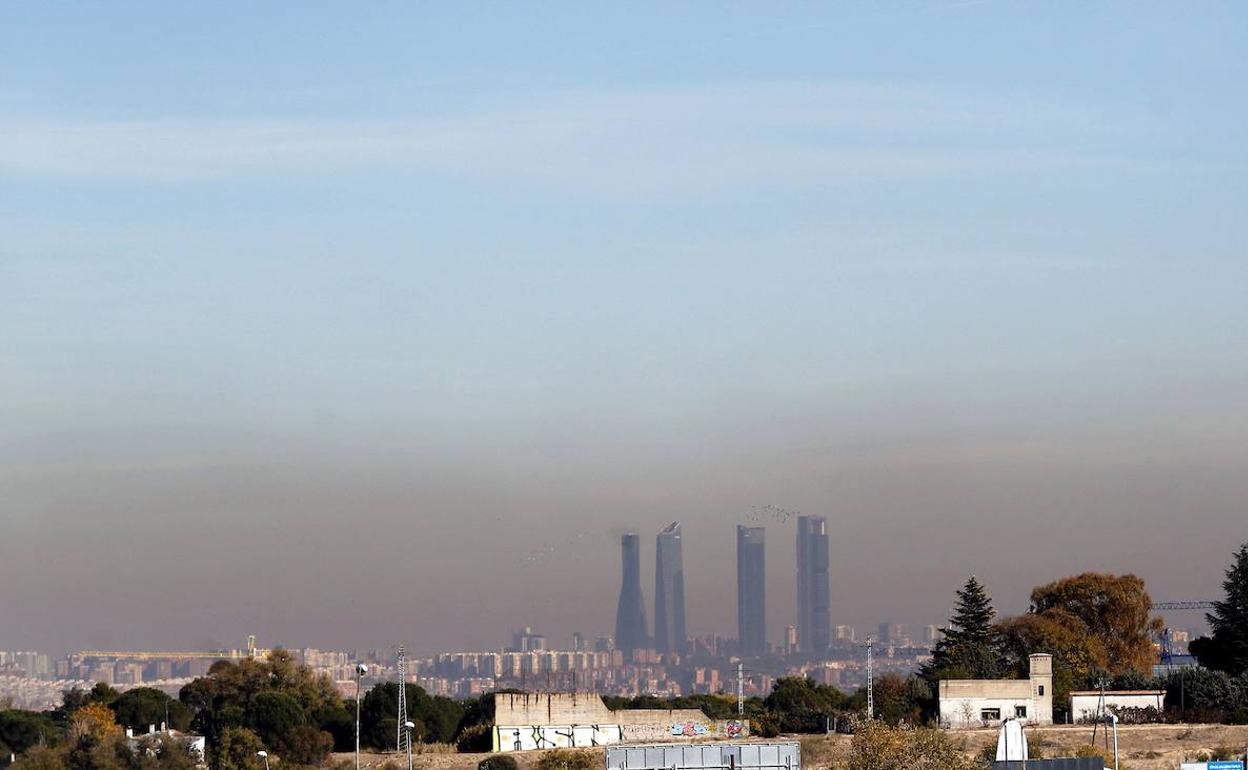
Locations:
{"points": [[845, 633], [630, 617], [669, 591], [814, 630], [751, 591]]}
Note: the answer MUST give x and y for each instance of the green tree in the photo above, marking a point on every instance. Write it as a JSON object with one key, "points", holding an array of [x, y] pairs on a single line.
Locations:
{"points": [[149, 706], [1226, 649], [20, 730], [162, 752], [801, 705], [236, 750], [967, 648], [273, 716]]}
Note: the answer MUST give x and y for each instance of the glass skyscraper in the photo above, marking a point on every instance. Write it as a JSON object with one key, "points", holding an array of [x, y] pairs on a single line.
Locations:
{"points": [[751, 591], [669, 591], [630, 617], [814, 629]]}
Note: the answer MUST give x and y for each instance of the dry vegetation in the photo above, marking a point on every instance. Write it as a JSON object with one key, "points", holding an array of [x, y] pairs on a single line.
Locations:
{"points": [[1144, 747]]}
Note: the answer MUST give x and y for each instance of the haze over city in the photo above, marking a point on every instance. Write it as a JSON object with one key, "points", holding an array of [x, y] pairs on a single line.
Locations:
{"points": [[358, 326]]}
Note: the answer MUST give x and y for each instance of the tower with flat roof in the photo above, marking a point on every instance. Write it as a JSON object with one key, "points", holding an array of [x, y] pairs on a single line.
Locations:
{"points": [[751, 590]]}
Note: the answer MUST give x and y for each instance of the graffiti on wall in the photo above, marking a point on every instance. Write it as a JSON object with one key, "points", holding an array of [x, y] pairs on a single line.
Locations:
{"points": [[529, 737], [689, 729]]}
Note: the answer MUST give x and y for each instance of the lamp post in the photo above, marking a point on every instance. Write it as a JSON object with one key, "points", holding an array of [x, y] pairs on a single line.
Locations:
{"points": [[360, 671], [407, 726], [1113, 721], [265, 756]]}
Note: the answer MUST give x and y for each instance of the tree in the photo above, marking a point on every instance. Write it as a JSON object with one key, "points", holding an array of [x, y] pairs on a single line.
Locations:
{"points": [[1227, 648], [20, 730], [236, 750], [273, 716], [40, 758], [1115, 610], [149, 706], [801, 705], [967, 648]]}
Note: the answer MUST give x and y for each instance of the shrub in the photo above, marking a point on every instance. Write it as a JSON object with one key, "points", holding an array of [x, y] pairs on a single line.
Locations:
{"points": [[498, 762], [475, 738], [567, 759]]}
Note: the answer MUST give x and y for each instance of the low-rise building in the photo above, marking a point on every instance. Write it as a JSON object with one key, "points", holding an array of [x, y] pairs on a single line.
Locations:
{"points": [[988, 702]]}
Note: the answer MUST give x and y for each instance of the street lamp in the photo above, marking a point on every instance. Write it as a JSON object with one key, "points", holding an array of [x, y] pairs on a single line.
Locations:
{"points": [[408, 726], [360, 671], [1113, 721], [265, 756]]}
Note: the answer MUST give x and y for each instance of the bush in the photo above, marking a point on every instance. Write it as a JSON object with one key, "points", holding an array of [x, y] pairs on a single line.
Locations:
{"points": [[498, 762], [567, 759], [476, 738]]}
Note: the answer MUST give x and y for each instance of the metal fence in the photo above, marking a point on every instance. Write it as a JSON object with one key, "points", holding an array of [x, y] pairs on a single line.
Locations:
{"points": [[706, 756]]}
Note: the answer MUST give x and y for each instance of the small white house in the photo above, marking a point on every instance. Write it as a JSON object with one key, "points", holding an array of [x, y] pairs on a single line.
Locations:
{"points": [[1086, 705], [988, 702]]}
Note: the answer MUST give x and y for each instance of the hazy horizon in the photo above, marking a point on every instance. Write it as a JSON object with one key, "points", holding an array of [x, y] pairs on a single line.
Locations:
{"points": [[362, 326]]}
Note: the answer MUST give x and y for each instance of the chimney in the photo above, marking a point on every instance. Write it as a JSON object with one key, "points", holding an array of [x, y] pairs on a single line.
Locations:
{"points": [[129, 732], [151, 729]]}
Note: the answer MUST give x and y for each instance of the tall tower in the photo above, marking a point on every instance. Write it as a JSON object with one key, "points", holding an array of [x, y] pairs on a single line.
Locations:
{"points": [[403, 736], [751, 591], [630, 617], [814, 631], [669, 591]]}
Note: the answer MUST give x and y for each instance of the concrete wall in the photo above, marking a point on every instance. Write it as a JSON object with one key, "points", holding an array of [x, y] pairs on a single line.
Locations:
{"points": [[549, 720], [1085, 704]]}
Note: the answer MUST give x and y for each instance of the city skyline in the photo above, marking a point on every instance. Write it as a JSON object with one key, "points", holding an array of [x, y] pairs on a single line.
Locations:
{"points": [[385, 323]]}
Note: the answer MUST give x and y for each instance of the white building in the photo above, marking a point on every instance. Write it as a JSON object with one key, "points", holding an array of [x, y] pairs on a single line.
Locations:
{"points": [[987, 702], [1086, 705]]}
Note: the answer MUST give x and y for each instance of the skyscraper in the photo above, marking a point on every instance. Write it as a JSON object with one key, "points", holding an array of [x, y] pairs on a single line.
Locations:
{"points": [[669, 591], [813, 626], [630, 616], [751, 591]]}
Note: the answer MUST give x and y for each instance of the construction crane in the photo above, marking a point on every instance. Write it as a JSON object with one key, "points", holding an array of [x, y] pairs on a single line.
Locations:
{"points": [[1167, 636]]}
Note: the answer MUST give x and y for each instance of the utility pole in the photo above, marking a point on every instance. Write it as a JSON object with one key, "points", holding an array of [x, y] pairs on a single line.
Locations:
{"points": [[401, 665], [870, 678], [740, 689]]}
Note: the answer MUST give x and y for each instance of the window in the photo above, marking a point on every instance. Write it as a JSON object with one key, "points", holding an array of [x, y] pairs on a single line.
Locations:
{"points": [[1020, 712], [990, 715], [1041, 691]]}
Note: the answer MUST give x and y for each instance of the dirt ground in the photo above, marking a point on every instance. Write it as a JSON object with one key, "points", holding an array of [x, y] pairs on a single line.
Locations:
{"points": [[1140, 747]]}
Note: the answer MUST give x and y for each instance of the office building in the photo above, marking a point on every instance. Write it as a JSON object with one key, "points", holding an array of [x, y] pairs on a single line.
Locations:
{"points": [[814, 629], [751, 591], [630, 617], [669, 591]]}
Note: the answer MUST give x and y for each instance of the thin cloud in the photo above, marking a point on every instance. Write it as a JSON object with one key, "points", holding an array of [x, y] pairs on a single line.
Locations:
{"points": [[633, 142]]}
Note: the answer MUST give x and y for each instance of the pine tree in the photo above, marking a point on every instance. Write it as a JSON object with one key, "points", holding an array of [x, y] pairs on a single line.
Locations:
{"points": [[1227, 649], [967, 649]]}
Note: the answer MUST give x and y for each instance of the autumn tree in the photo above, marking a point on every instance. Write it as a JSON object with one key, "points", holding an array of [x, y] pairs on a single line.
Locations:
{"points": [[1226, 649], [1114, 610]]}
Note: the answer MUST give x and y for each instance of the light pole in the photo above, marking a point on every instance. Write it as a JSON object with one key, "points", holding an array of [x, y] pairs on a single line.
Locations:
{"points": [[265, 756], [408, 727], [1113, 721], [360, 671]]}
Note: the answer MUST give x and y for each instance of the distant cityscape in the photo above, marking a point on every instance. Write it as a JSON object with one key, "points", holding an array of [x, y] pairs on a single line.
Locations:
{"points": [[630, 662]]}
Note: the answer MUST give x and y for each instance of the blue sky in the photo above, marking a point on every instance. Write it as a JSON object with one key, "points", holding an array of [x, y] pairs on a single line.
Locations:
{"points": [[647, 261]]}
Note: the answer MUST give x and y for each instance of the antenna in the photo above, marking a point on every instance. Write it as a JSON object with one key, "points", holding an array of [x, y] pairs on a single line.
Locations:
{"points": [[403, 738], [870, 678]]}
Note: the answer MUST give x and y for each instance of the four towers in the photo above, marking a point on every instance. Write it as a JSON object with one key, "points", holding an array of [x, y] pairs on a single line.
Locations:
{"points": [[814, 631]]}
